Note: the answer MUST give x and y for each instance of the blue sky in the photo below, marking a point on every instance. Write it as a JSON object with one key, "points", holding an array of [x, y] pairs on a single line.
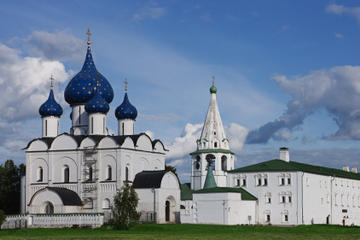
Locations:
{"points": [[287, 72]]}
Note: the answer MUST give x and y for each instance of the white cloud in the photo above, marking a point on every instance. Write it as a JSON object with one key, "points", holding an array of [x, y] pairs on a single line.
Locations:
{"points": [[25, 86], [152, 11], [340, 9], [339, 35], [336, 90], [25, 83], [186, 143], [59, 45], [150, 134], [176, 163], [237, 136]]}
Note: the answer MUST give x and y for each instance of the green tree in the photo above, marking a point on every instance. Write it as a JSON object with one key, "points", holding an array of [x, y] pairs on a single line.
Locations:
{"points": [[170, 168], [2, 217], [124, 207], [10, 176]]}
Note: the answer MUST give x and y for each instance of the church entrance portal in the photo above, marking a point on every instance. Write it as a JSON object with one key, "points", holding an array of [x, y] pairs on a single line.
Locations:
{"points": [[167, 211], [170, 204]]}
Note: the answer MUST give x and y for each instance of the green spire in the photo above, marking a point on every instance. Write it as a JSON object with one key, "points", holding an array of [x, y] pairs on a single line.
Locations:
{"points": [[210, 180], [213, 89]]}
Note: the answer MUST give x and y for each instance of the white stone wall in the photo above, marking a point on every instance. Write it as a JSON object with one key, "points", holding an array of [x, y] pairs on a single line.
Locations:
{"points": [[50, 126], [272, 188], [64, 152], [223, 208], [315, 198], [53, 221], [97, 124], [169, 191], [126, 127]]}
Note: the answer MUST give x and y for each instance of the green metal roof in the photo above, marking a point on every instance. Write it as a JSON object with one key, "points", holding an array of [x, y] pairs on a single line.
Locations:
{"points": [[245, 195], [277, 165], [211, 151], [210, 180], [186, 192]]}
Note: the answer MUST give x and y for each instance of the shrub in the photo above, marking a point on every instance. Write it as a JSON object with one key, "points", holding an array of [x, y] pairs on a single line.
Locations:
{"points": [[2, 217], [124, 207]]}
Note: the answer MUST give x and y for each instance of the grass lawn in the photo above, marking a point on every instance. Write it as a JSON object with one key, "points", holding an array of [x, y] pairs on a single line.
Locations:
{"points": [[187, 231]]}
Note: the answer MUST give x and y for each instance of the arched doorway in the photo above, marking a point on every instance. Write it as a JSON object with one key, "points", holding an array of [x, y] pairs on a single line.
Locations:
{"points": [[167, 211], [170, 209], [49, 208]]}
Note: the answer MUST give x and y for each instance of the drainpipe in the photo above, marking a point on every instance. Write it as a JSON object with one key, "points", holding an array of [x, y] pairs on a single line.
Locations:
{"points": [[154, 214], [331, 197], [302, 198]]}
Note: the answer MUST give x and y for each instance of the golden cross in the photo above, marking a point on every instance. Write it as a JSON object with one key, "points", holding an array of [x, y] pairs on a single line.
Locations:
{"points": [[51, 82], [89, 34], [126, 83], [213, 80]]}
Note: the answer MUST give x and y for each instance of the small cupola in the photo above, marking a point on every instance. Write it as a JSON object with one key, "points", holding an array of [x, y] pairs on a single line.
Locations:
{"points": [[126, 114], [51, 107], [50, 112]]}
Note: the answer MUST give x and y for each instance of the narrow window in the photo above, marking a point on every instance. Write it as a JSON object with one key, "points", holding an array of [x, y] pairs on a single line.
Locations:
{"points": [[90, 174], [40, 174], [289, 199], [282, 181], [79, 115], [123, 128], [46, 128], [286, 217], [238, 182], [215, 144], [289, 181], [104, 127], [66, 174], [259, 182], [244, 182], [268, 218], [283, 199], [109, 172], [265, 182], [92, 124], [126, 174]]}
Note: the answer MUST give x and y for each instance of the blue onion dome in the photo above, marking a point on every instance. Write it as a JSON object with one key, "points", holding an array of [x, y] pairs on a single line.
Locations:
{"points": [[50, 107], [81, 87], [126, 110], [97, 104]]}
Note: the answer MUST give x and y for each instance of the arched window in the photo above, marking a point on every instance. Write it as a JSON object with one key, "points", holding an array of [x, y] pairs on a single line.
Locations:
{"points": [[40, 174], [90, 174], [109, 173], [126, 174], [215, 144], [66, 174], [224, 163], [106, 203], [49, 208], [210, 159], [88, 203]]}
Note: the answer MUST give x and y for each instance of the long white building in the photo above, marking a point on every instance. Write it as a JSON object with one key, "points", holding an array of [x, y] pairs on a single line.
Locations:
{"points": [[279, 191]]}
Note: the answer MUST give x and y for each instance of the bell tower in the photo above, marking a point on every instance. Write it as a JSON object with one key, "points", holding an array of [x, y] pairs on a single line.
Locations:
{"points": [[212, 146]]}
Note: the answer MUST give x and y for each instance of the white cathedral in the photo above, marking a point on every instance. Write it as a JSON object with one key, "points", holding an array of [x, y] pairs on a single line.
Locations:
{"points": [[73, 176]]}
